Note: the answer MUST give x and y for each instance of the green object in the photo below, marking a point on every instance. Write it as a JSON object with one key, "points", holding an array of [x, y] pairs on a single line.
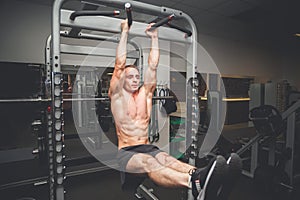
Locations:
{"points": [[177, 139], [177, 121], [177, 154]]}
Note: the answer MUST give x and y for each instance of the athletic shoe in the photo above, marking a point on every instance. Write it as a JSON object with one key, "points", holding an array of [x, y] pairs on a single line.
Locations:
{"points": [[234, 163], [206, 183]]}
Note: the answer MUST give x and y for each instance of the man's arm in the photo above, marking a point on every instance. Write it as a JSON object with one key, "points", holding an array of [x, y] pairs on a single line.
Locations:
{"points": [[150, 74], [117, 79]]}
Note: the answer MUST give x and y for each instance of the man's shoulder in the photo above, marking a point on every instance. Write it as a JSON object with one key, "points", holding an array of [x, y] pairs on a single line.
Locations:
{"points": [[116, 96]]}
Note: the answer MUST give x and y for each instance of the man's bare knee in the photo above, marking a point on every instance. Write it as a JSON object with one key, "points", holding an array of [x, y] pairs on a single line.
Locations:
{"points": [[165, 159], [142, 163]]}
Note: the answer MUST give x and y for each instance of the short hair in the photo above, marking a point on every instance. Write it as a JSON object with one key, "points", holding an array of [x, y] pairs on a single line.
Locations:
{"points": [[133, 66]]}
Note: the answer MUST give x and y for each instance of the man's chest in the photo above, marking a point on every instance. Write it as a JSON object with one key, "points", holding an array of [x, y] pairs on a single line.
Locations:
{"points": [[136, 107]]}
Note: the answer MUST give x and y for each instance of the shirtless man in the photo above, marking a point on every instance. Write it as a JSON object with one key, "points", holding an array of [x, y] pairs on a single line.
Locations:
{"points": [[131, 107]]}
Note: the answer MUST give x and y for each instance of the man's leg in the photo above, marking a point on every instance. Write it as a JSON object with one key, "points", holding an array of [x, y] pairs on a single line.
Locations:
{"points": [[206, 181], [161, 175], [169, 161]]}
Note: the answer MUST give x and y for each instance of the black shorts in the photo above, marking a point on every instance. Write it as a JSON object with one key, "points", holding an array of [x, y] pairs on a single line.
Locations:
{"points": [[130, 181]]}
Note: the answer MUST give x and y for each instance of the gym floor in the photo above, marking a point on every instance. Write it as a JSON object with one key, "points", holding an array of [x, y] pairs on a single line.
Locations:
{"points": [[106, 185]]}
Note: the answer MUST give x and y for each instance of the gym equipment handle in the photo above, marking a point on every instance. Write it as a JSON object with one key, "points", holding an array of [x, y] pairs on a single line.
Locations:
{"points": [[162, 22], [128, 12], [188, 32], [93, 13]]}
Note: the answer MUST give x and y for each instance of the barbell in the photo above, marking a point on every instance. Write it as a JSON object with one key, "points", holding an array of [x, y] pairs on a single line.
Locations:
{"points": [[39, 100]]}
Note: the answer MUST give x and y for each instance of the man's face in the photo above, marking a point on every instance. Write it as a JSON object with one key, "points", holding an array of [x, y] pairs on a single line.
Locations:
{"points": [[132, 79]]}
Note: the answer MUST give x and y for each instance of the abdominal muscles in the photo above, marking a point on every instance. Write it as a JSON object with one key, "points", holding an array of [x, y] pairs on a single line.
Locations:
{"points": [[132, 121]]}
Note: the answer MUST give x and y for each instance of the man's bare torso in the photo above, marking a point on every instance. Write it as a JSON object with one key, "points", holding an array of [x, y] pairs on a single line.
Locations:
{"points": [[131, 114]]}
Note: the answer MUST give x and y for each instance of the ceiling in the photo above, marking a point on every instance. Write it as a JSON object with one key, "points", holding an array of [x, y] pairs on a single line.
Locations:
{"points": [[272, 20]]}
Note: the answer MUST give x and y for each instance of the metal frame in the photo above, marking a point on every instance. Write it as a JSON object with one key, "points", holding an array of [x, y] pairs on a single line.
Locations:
{"points": [[290, 116], [111, 39], [62, 17], [83, 50], [111, 25], [92, 51], [254, 145]]}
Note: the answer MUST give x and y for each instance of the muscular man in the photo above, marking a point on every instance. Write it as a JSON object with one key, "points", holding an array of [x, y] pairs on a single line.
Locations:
{"points": [[131, 106]]}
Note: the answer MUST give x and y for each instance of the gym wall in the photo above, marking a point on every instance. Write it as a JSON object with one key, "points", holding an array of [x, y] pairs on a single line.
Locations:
{"points": [[25, 28]]}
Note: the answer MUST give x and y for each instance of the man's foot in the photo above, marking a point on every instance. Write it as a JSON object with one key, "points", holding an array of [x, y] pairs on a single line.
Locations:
{"points": [[207, 182], [234, 163]]}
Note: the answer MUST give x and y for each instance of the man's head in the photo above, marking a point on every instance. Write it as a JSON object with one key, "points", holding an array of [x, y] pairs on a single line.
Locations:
{"points": [[132, 78]]}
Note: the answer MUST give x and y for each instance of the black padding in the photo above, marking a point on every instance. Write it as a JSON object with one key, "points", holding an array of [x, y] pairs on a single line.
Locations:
{"points": [[267, 120], [169, 104]]}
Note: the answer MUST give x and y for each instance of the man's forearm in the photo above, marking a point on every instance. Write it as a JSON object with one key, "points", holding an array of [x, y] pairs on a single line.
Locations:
{"points": [[121, 50], [154, 53]]}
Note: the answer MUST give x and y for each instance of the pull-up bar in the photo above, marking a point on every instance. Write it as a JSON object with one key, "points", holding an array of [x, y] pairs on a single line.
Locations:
{"points": [[188, 32], [167, 20], [128, 12], [93, 13], [162, 22], [139, 7], [112, 25]]}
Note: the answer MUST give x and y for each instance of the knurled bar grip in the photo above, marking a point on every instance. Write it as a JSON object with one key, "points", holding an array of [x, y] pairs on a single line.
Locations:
{"points": [[188, 32], [162, 22], [93, 13], [128, 12]]}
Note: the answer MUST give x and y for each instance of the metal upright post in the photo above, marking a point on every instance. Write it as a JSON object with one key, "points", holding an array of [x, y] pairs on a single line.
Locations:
{"points": [[57, 189], [290, 115], [192, 104], [290, 143], [48, 91]]}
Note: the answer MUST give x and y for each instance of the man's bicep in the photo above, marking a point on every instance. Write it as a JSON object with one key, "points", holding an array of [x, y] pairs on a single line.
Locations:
{"points": [[150, 76], [116, 81], [150, 80], [149, 89]]}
